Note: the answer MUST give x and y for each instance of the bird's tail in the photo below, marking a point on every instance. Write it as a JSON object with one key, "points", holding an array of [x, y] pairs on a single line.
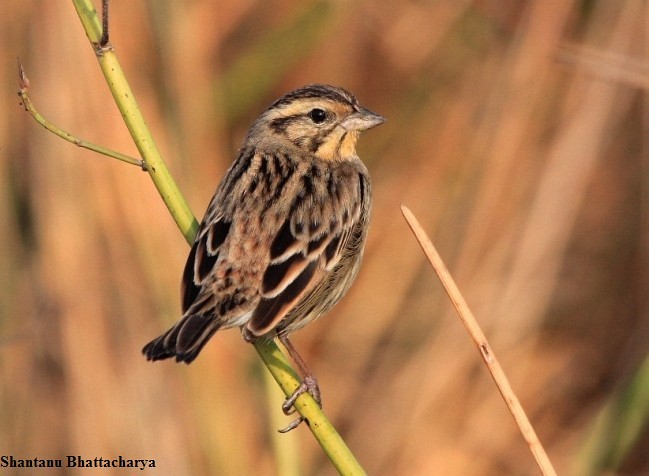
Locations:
{"points": [[183, 341]]}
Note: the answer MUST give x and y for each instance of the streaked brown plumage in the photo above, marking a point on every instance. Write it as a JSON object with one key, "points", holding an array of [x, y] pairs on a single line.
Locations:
{"points": [[283, 236]]}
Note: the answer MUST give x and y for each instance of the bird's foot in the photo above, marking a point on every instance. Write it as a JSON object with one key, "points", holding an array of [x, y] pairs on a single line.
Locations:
{"points": [[309, 385]]}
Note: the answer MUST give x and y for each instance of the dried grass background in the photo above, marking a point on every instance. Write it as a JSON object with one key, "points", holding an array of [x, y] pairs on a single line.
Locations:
{"points": [[517, 134]]}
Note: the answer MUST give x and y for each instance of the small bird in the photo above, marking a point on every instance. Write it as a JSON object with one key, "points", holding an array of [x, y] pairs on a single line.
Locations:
{"points": [[282, 238]]}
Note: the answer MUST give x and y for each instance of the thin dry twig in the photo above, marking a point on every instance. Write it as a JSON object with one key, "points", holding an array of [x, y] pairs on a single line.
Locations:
{"points": [[472, 326], [23, 83]]}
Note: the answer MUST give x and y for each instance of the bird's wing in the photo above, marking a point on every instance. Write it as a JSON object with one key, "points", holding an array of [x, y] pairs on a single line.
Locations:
{"points": [[196, 293], [202, 258], [304, 251], [320, 211]]}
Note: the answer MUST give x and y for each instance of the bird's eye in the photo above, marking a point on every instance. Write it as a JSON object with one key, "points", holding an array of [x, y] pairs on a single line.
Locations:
{"points": [[318, 115]]}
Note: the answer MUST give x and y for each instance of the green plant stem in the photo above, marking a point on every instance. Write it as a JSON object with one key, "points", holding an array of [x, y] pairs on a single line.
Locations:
{"points": [[135, 123], [275, 361], [330, 441]]}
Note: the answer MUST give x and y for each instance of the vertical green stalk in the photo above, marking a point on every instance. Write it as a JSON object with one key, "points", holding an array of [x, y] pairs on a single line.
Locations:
{"points": [[134, 120]]}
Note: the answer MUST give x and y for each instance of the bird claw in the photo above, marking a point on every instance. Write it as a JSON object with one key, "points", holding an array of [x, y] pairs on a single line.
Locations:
{"points": [[293, 425], [309, 385]]}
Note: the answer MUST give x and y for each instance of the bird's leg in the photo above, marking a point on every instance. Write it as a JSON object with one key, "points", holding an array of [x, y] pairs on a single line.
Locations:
{"points": [[309, 384]]}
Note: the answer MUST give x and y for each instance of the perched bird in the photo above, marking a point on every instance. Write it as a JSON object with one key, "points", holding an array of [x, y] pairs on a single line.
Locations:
{"points": [[282, 239]]}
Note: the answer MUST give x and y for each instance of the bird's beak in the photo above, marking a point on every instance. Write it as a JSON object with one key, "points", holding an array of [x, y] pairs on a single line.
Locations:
{"points": [[362, 120]]}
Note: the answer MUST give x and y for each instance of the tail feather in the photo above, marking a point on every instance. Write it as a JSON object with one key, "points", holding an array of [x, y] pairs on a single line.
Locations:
{"points": [[184, 341]]}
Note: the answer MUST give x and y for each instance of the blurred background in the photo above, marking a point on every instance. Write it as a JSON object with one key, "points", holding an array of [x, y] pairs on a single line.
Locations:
{"points": [[517, 135]]}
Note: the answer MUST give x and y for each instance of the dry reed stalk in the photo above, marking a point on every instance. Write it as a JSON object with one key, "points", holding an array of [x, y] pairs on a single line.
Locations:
{"points": [[472, 326]]}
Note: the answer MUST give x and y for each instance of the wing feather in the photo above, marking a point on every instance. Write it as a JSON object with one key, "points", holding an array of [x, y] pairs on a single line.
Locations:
{"points": [[202, 259], [270, 311], [302, 256]]}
